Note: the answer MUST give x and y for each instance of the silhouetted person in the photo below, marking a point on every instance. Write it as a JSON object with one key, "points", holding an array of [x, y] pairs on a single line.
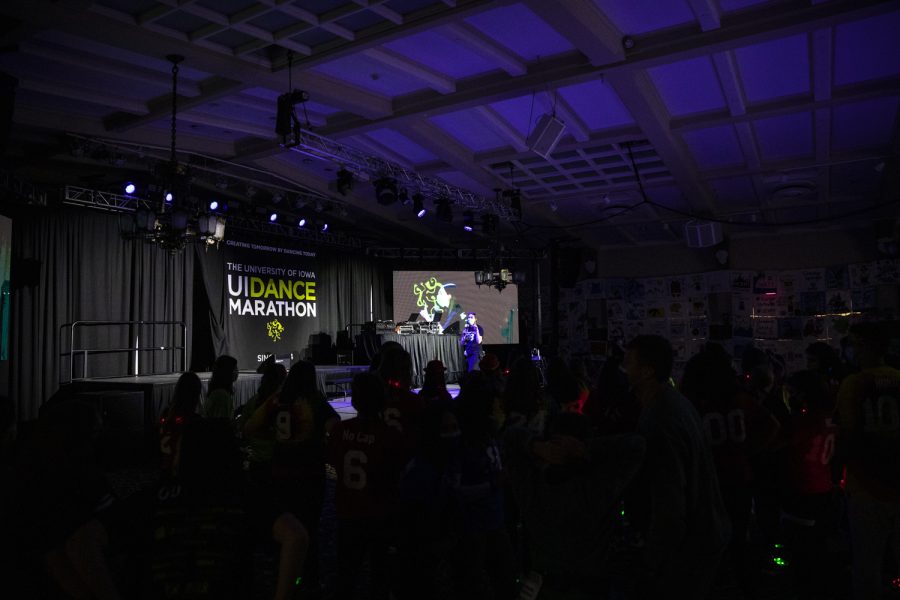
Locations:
{"points": [[868, 413], [677, 504]]}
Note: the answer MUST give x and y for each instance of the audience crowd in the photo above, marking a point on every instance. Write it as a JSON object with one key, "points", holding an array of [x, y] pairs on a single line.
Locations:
{"points": [[535, 481]]}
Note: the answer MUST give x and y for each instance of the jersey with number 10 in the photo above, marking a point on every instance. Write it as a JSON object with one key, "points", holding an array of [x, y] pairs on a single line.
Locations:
{"points": [[366, 456], [869, 423]]}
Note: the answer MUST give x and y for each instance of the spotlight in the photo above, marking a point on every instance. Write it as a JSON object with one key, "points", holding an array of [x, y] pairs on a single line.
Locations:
{"points": [[301, 222], [129, 188], [168, 196], [273, 217], [419, 205], [468, 220], [344, 181], [386, 190], [444, 210], [325, 227], [213, 205]]}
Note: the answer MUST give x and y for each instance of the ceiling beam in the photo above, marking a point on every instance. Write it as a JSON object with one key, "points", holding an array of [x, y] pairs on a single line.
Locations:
{"points": [[378, 149], [381, 33], [82, 94], [618, 135], [585, 26], [132, 37], [443, 145], [106, 65], [436, 81], [652, 117], [223, 123], [485, 47], [707, 14], [737, 31], [806, 102], [501, 127], [471, 92], [589, 31], [211, 90]]}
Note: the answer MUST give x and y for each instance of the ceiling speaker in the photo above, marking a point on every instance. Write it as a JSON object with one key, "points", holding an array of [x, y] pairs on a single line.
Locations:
{"points": [[546, 135], [702, 234]]}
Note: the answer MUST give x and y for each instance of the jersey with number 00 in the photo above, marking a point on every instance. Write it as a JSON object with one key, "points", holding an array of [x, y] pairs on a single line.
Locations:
{"points": [[729, 426]]}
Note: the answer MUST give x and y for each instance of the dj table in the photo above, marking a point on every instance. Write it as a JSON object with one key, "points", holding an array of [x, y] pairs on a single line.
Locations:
{"points": [[424, 347]]}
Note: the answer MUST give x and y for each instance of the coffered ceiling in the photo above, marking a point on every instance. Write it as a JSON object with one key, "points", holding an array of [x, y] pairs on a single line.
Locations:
{"points": [[767, 116]]}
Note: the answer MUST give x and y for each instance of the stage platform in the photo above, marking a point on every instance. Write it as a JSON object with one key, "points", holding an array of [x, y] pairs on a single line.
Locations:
{"points": [[143, 397]]}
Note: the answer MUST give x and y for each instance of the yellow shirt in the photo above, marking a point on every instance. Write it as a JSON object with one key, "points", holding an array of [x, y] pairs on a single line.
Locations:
{"points": [[868, 414]]}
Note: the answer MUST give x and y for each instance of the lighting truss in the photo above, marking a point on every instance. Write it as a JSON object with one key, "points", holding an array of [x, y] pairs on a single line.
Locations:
{"points": [[220, 174], [118, 203], [372, 167]]}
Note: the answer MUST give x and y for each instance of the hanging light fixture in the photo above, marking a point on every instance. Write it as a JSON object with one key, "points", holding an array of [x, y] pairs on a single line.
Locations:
{"points": [[179, 220], [498, 279]]}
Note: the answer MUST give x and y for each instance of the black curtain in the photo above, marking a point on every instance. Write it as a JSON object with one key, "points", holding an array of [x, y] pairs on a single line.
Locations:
{"points": [[87, 272], [357, 283], [211, 264]]}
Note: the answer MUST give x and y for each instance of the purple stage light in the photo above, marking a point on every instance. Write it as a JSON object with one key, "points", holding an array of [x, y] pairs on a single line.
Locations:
{"points": [[129, 188]]}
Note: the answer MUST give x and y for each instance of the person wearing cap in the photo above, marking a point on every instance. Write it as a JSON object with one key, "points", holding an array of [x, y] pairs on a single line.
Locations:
{"points": [[470, 339], [434, 387]]}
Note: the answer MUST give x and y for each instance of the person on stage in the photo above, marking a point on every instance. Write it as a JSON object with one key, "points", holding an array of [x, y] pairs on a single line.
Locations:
{"points": [[470, 340]]}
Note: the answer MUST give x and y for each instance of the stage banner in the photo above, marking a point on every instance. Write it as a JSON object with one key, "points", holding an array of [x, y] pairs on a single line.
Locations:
{"points": [[272, 301]]}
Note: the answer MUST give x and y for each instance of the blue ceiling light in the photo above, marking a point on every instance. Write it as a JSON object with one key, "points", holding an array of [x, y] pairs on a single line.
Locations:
{"points": [[419, 205], [468, 220]]}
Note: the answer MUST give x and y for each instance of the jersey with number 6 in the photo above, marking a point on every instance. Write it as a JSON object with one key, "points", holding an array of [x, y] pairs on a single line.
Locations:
{"points": [[868, 414], [366, 456]]}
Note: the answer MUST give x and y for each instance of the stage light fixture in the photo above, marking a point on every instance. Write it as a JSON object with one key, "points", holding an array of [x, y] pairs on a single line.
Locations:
{"points": [[325, 227], [468, 220], [177, 222], [344, 181], [273, 217], [419, 205], [301, 222], [129, 188], [213, 205], [386, 190], [444, 211]]}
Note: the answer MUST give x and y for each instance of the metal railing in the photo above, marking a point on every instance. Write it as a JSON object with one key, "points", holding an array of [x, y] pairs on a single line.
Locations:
{"points": [[138, 344]]}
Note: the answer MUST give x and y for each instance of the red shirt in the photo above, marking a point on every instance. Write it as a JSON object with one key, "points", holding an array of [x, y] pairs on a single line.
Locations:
{"points": [[805, 464], [367, 457]]}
